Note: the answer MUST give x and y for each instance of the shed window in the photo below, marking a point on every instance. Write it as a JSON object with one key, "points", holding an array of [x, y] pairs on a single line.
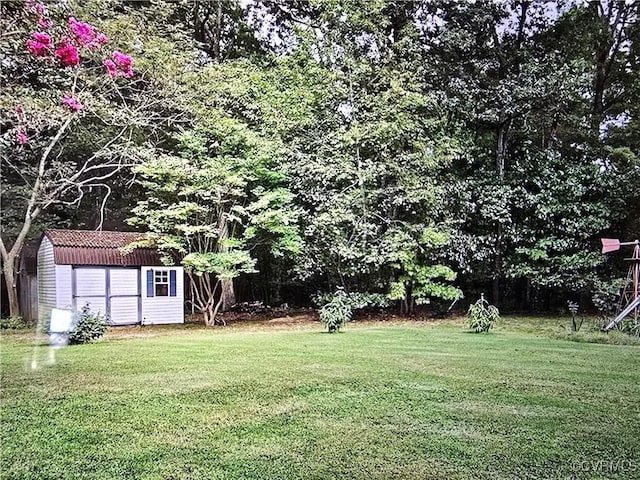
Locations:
{"points": [[161, 283]]}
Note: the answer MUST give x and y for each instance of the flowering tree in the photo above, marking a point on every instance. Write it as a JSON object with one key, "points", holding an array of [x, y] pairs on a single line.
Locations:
{"points": [[71, 109]]}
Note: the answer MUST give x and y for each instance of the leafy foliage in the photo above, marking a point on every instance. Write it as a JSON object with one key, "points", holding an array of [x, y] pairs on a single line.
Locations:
{"points": [[338, 308], [14, 323], [412, 150], [89, 326], [482, 315], [605, 299], [209, 206], [336, 312], [631, 327]]}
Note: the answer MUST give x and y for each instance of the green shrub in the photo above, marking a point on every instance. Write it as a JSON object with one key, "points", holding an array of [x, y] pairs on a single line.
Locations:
{"points": [[337, 311], [89, 326], [357, 300], [614, 337], [14, 323], [605, 299], [482, 315], [630, 327]]}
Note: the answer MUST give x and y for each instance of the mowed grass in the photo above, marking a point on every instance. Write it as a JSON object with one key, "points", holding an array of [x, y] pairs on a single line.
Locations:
{"points": [[378, 401]]}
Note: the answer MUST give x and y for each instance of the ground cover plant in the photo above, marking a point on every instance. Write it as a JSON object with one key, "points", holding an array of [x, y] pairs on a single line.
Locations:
{"points": [[393, 400]]}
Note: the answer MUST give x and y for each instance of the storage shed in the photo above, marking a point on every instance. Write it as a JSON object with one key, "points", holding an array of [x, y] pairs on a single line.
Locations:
{"points": [[79, 267]]}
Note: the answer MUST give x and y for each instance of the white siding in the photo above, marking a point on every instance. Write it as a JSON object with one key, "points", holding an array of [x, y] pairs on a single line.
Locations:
{"points": [[64, 297], [124, 311], [91, 282], [124, 281], [91, 289], [123, 296], [156, 310], [46, 280]]}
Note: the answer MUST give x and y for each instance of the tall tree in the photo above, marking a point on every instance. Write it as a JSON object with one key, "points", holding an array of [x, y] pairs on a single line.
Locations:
{"points": [[71, 111], [212, 205], [366, 167], [548, 196]]}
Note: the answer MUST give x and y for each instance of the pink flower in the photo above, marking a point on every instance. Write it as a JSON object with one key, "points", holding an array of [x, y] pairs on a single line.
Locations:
{"points": [[85, 32], [36, 7], [44, 23], [124, 61], [39, 44], [40, 9], [68, 54], [42, 37], [112, 69], [72, 103], [101, 39], [19, 109], [87, 35], [121, 64], [22, 136]]}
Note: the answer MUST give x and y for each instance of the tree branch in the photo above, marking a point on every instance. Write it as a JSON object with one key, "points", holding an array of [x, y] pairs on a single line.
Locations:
{"points": [[33, 210]]}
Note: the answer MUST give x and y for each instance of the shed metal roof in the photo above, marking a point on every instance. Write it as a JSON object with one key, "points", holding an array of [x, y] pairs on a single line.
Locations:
{"points": [[89, 247]]}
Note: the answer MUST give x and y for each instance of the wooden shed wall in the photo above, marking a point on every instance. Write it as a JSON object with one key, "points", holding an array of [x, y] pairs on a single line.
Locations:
{"points": [[28, 296]]}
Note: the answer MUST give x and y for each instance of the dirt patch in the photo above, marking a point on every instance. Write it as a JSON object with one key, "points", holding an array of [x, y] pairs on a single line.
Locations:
{"points": [[290, 317], [300, 318], [293, 320]]}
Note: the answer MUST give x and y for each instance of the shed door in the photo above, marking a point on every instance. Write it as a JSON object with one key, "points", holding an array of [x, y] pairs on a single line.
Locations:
{"points": [[124, 296], [90, 288]]}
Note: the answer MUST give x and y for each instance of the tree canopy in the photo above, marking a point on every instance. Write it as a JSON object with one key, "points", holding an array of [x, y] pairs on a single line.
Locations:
{"points": [[417, 150]]}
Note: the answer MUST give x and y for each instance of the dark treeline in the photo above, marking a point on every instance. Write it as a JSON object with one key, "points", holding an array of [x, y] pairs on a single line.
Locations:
{"points": [[408, 152]]}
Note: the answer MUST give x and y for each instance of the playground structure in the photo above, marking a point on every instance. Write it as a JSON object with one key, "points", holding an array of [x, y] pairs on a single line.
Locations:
{"points": [[630, 299]]}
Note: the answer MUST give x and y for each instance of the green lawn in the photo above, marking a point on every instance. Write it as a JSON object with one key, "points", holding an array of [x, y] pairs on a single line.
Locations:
{"points": [[406, 400]]}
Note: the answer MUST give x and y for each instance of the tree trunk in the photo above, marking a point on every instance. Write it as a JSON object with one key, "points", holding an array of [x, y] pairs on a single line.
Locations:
{"points": [[599, 83], [215, 313], [10, 260], [217, 34], [501, 151], [227, 293], [497, 269], [495, 282], [501, 147], [407, 304], [10, 278], [612, 31], [10, 257]]}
